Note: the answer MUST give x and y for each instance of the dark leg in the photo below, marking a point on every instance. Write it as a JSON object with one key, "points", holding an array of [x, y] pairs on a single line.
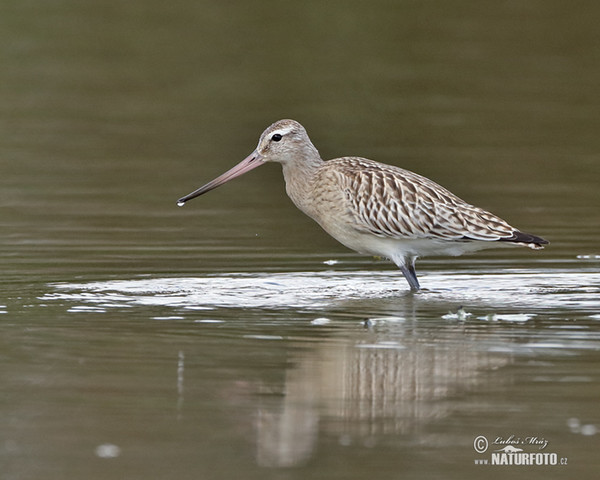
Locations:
{"points": [[408, 270]]}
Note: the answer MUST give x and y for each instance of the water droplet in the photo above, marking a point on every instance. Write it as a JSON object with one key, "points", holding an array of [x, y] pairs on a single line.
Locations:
{"points": [[589, 430], [180, 204], [108, 450], [320, 321], [574, 424]]}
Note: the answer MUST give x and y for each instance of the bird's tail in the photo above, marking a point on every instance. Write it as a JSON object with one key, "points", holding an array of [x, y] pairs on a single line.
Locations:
{"points": [[527, 239]]}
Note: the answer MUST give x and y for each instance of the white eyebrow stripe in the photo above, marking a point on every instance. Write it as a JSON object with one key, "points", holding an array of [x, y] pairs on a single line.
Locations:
{"points": [[283, 131]]}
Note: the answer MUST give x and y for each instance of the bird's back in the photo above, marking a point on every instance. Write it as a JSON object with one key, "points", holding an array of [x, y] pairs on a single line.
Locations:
{"points": [[388, 201]]}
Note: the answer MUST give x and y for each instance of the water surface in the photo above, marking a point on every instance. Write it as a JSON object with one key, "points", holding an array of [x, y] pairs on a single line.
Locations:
{"points": [[232, 338]]}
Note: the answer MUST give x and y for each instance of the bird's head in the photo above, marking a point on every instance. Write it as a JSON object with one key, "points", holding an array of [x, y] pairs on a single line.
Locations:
{"points": [[282, 142]]}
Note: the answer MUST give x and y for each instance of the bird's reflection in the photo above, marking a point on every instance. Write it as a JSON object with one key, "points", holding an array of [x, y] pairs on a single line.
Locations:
{"points": [[357, 392], [286, 431]]}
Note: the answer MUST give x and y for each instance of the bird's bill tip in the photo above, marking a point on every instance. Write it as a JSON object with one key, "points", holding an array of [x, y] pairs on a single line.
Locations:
{"points": [[250, 162]]}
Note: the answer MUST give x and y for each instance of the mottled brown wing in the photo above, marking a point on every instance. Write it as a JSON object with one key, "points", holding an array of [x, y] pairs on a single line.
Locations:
{"points": [[391, 202]]}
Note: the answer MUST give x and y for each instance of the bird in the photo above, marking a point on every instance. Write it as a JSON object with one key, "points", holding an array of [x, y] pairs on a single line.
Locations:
{"points": [[374, 208]]}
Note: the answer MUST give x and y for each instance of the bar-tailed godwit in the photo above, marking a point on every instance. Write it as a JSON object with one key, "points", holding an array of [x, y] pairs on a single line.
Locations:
{"points": [[374, 208]]}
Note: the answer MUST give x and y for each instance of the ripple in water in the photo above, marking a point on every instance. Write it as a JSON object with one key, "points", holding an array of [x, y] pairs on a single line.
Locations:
{"points": [[516, 289]]}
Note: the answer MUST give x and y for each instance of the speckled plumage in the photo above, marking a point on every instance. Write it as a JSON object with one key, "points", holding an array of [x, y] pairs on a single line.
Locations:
{"points": [[375, 208]]}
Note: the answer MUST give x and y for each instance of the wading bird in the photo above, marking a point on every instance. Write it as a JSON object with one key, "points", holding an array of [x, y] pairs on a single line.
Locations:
{"points": [[374, 208]]}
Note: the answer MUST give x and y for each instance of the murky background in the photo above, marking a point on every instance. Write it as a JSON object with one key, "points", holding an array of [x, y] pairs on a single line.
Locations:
{"points": [[233, 338]]}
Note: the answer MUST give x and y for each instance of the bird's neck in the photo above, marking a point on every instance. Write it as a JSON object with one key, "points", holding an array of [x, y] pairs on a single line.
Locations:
{"points": [[299, 178]]}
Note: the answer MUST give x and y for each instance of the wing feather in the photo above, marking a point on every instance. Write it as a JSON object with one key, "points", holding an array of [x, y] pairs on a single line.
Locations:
{"points": [[389, 201]]}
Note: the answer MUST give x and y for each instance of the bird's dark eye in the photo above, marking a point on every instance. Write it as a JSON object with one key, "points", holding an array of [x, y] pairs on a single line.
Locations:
{"points": [[276, 137]]}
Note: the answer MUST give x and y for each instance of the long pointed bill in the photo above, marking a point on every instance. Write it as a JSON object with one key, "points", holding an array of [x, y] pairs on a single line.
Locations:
{"points": [[250, 162]]}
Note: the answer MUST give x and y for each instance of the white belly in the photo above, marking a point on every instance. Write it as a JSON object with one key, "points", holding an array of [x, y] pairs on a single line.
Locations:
{"points": [[397, 249]]}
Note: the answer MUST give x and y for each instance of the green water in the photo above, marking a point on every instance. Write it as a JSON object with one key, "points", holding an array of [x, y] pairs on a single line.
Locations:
{"points": [[233, 338]]}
